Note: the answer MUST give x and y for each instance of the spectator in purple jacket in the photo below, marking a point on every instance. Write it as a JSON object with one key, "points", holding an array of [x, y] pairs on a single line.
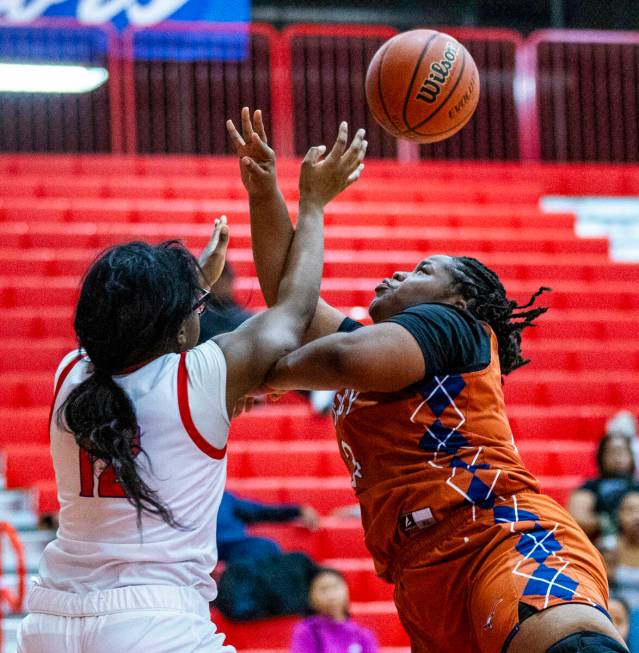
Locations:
{"points": [[329, 628]]}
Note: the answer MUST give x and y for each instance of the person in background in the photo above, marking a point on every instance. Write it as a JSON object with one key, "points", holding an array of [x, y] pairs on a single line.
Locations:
{"points": [[595, 503], [235, 514], [222, 313], [609, 549], [619, 612], [329, 628], [624, 423], [627, 572]]}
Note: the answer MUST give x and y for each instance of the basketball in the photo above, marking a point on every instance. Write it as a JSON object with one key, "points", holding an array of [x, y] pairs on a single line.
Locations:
{"points": [[422, 85]]}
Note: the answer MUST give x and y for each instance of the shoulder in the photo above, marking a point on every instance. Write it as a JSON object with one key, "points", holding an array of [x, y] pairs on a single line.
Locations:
{"points": [[305, 628], [452, 340], [67, 364], [447, 314], [205, 362]]}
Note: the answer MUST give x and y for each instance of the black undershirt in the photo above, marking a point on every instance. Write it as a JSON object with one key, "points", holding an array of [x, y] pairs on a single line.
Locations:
{"points": [[452, 341]]}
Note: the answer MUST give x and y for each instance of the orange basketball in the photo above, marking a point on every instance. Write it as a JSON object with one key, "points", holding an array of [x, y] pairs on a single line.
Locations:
{"points": [[422, 85]]}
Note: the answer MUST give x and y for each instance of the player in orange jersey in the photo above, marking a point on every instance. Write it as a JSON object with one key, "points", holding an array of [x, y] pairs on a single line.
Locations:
{"points": [[481, 561]]}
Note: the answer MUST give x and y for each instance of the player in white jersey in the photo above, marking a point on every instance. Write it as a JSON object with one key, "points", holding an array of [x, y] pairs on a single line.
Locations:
{"points": [[139, 427]]}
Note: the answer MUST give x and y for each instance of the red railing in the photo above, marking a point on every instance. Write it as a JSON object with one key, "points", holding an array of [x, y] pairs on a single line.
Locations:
{"points": [[493, 132], [14, 601], [577, 91], [327, 67], [556, 96]]}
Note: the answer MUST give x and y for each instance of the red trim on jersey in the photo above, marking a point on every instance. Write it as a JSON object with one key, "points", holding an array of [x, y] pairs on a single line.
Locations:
{"points": [[185, 413], [135, 367], [61, 380]]}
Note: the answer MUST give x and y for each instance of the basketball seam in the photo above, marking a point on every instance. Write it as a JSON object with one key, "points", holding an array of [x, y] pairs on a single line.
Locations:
{"points": [[379, 89], [452, 90], [412, 79], [445, 130]]}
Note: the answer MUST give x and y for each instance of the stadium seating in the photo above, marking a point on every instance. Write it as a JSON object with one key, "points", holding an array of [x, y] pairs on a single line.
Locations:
{"points": [[56, 212]]}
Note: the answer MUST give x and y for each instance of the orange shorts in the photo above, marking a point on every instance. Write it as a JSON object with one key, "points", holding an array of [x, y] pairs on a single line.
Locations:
{"points": [[464, 585]]}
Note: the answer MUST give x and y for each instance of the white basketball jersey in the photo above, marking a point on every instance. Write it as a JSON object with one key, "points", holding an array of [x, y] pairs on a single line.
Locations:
{"points": [[180, 405]]}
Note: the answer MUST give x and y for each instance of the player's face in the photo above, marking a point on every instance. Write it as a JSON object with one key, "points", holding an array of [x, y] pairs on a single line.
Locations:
{"points": [[430, 281]]}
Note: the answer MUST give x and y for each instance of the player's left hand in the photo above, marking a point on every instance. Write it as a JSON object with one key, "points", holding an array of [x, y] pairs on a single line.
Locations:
{"points": [[257, 159], [214, 254]]}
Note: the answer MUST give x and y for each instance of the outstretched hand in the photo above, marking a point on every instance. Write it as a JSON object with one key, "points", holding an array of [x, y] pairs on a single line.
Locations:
{"points": [[214, 254], [321, 179], [257, 159]]}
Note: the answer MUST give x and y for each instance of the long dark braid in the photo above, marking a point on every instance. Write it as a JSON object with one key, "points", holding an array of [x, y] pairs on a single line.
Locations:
{"points": [[487, 301], [133, 301]]}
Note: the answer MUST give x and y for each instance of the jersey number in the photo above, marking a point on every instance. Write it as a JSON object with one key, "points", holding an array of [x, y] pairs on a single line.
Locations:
{"points": [[108, 486]]}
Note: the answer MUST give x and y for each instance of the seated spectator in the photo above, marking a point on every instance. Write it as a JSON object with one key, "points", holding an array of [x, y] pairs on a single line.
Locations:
{"points": [[619, 612], [627, 572], [223, 313], [235, 514], [609, 549], [623, 423], [260, 580], [329, 628], [595, 503]]}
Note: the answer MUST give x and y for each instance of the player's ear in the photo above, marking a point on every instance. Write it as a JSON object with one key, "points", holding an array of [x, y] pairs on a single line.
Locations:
{"points": [[182, 337], [460, 303]]}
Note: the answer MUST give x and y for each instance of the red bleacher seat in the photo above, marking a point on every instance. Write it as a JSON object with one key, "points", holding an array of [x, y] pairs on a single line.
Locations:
{"points": [[26, 464]]}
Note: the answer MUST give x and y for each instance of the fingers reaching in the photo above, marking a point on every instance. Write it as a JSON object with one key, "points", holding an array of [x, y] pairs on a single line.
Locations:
{"points": [[247, 126], [258, 125], [354, 176], [340, 142], [314, 154], [253, 131], [220, 233], [236, 139], [357, 148]]}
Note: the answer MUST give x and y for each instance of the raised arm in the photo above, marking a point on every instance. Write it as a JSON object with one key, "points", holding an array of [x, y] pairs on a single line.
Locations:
{"points": [[271, 227], [382, 357], [253, 348]]}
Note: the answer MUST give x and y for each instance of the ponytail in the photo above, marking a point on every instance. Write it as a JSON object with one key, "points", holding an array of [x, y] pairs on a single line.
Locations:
{"points": [[132, 304]]}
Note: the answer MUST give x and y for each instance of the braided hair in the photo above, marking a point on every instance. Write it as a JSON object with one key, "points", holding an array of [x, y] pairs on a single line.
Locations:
{"points": [[133, 301], [487, 301]]}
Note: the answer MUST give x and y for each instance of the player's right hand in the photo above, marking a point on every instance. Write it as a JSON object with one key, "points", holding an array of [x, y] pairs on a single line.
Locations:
{"points": [[257, 159], [321, 179]]}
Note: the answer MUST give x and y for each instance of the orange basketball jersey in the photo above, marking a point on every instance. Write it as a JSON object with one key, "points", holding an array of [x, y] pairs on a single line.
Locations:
{"points": [[417, 454]]}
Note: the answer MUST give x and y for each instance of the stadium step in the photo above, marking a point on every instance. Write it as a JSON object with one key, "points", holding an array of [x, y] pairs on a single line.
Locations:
{"points": [[295, 423], [44, 354], [379, 616]]}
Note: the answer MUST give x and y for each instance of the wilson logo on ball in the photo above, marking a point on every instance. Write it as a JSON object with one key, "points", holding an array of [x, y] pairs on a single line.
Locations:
{"points": [[439, 73]]}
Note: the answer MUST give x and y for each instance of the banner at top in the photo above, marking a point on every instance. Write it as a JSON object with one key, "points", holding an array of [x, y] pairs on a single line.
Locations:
{"points": [[120, 13]]}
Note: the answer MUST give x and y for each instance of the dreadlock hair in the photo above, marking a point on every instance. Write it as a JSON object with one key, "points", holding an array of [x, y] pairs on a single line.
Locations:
{"points": [[487, 301], [133, 301]]}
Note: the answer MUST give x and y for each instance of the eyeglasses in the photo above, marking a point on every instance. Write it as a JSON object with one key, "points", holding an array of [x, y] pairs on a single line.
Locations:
{"points": [[200, 304]]}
